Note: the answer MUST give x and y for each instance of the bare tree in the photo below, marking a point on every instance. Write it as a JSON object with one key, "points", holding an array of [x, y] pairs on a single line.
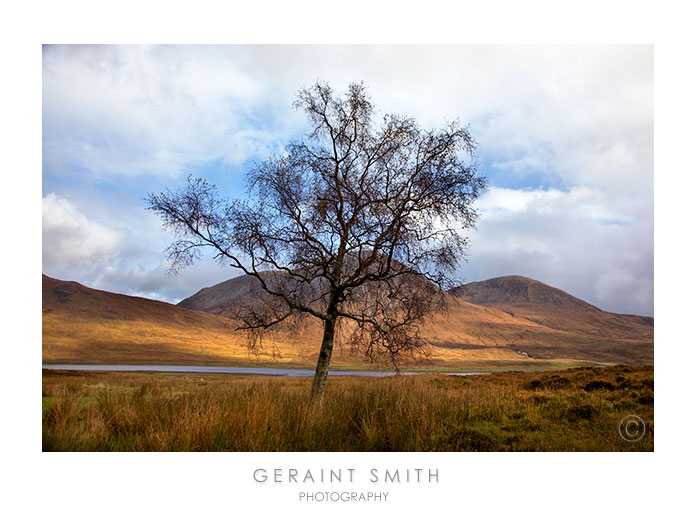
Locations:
{"points": [[358, 225]]}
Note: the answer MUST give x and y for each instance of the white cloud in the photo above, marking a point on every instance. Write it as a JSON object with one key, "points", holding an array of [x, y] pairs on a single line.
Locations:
{"points": [[615, 286], [133, 110], [575, 112], [577, 121], [155, 283], [70, 239], [582, 241], [580, 201], [118, 253]]}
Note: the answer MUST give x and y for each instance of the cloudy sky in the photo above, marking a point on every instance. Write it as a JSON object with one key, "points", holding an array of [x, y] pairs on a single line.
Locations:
{"points": [[565, 138]]}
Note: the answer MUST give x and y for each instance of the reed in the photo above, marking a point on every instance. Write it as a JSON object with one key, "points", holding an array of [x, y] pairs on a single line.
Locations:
{"points": [[570, 410]]}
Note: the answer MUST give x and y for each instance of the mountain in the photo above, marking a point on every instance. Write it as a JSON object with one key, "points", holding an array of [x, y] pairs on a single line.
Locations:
{"points": [[85, 325], [542, 304], [499, 317], [518, 289], [219, 299], [82, 324]]}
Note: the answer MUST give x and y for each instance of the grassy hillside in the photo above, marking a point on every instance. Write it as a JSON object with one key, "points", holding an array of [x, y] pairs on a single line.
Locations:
{"points": [[86, 325], [539, 303]]}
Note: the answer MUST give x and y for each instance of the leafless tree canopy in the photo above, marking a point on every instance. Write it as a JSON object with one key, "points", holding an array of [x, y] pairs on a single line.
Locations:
{"points": [[359, 223]]}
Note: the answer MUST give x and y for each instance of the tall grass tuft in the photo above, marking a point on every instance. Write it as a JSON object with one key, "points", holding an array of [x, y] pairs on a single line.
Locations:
{"points": [[558, 411]]}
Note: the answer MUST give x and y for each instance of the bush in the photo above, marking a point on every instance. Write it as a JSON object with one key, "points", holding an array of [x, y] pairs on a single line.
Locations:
{"points": [[581, 412], [646, 399], [599, 385]]}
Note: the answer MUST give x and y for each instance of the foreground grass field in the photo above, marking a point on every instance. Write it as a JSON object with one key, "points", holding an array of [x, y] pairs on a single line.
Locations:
{"points": [[570, 410]]}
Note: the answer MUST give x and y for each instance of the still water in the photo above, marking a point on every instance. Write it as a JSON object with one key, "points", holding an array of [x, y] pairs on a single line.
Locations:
{"points": [[269, 371]]}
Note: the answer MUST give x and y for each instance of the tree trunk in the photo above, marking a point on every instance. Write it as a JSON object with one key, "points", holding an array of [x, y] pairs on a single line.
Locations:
{"points": [[319, 385]]}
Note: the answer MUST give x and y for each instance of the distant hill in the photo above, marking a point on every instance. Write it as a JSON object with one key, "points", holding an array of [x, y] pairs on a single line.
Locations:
{"points": [[89, 325], [219, 298], [530, 299], [84, 324], [514, 313], [518, 289]]}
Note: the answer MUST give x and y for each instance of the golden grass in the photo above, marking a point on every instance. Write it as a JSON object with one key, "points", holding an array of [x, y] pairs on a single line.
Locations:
{"points": [[86, 325], [571, 410], [143, 341]]}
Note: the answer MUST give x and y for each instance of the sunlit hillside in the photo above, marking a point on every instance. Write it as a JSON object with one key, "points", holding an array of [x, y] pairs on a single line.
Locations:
{"points": [[87, 325]]}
